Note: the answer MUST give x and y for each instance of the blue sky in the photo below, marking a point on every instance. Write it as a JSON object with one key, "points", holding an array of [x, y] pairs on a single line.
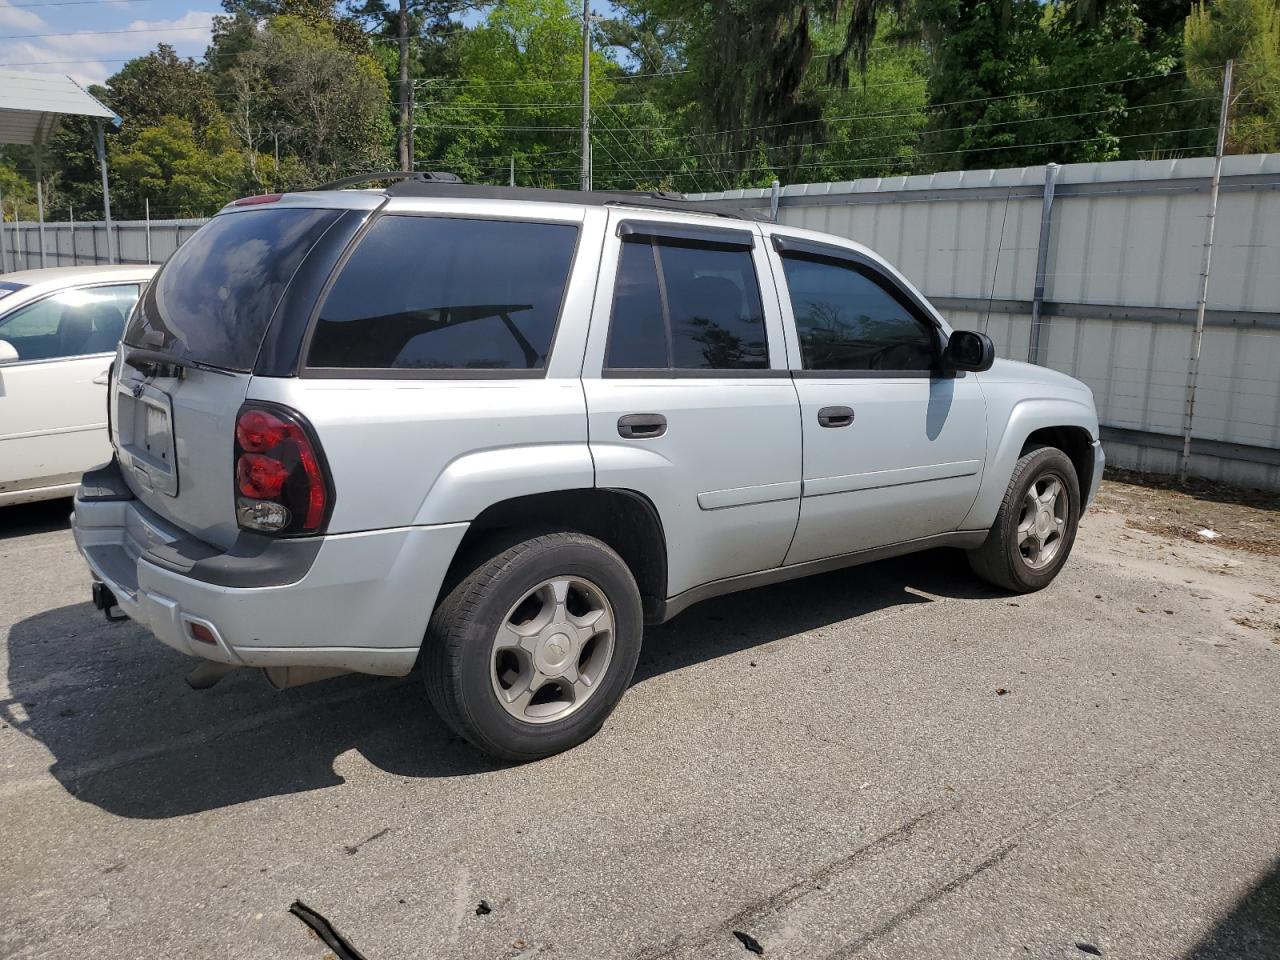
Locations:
{"points": [[90, 39]]}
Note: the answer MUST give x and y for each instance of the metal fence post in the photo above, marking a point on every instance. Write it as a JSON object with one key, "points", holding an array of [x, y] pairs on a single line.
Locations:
{"points": [[775, 196], [40, 215], [1042, 260], [4, 253], [71, 228], [1197, 340], [147, 207]]}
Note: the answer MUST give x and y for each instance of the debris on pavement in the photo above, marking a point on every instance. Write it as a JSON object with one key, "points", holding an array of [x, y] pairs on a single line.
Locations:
{"points": [[353, 849], [750, 942], [1088, 948], [318, 924], [483, 908]]}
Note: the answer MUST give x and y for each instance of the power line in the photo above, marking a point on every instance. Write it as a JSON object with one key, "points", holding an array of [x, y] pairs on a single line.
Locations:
{"points": [[866, 161], [913, 134], [69, 3], [101, 33]]}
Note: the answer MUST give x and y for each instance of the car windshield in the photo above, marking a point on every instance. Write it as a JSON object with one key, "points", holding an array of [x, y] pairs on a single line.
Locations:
{"points": [[7, 287]]}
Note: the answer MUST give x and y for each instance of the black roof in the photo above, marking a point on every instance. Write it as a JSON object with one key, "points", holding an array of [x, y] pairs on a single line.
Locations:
{"points": [[436, 184]]}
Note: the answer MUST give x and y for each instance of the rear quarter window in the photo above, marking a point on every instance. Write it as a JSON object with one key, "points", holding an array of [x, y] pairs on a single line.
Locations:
{"points": [[214, 297], [446, 294]]}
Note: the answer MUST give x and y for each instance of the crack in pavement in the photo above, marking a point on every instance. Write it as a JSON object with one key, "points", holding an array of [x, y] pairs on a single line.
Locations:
{"points": [[775, 902], [1000, 851]]}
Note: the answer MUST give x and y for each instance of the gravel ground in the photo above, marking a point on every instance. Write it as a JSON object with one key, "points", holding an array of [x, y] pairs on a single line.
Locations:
{"points": [[891, 761]]}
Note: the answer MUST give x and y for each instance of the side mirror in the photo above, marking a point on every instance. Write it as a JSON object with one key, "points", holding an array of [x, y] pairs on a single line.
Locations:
{"points": [[7, 353], [969, 350]]}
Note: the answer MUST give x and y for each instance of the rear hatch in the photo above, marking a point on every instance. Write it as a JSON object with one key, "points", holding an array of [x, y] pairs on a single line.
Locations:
{"points": [[188, 356]]}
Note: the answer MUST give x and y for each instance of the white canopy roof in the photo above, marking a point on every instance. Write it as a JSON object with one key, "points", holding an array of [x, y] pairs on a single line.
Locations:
{"points": [[30, 104]]}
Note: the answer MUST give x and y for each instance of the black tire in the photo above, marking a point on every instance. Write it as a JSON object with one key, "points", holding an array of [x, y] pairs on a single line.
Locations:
{"points": [[1000, 560], [457, 653]]}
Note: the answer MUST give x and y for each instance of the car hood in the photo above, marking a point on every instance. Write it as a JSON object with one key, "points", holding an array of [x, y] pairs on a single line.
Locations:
{"points": [[1013, 371]]}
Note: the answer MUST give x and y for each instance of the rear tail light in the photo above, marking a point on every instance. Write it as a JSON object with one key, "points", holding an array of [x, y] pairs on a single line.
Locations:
{"points": [[282, 483]]}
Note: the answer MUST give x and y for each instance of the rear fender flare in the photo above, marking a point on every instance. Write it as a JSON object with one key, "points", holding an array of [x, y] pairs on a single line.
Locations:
{"points": [[474, 481]]}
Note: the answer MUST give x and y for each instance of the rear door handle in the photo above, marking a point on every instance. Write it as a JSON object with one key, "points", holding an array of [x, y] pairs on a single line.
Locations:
{"points": [[101, 379], [642, 426], [835, 416]]}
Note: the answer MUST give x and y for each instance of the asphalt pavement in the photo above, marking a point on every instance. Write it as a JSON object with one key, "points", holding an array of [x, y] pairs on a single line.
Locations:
{"points": [[891, 761]]}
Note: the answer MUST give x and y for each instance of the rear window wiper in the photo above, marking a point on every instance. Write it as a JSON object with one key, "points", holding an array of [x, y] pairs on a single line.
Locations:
{"points": [[140, 359]]}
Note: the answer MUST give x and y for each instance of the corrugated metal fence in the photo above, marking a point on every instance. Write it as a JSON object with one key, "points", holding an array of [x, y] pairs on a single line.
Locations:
{"points": [[1122, 260], [72, 244], [1122, 257]]}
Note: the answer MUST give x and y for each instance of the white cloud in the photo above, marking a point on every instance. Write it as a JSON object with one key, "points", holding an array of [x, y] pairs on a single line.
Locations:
{"points": [[91, 57], [17, 18]]}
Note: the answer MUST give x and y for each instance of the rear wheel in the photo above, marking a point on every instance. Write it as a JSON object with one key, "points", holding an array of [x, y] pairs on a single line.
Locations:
{"points": [[529, 653], [1036, 526]]}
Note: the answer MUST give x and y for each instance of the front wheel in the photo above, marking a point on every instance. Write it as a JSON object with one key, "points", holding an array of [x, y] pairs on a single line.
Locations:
{"points": [[1036, 526], [528, 654]]}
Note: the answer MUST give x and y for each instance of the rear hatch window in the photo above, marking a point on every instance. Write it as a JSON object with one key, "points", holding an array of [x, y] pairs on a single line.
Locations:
{"points": [[213, 299]]}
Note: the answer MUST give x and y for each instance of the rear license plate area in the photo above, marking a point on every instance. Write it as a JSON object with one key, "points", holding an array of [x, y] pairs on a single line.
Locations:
{"points": [[146, 442]]}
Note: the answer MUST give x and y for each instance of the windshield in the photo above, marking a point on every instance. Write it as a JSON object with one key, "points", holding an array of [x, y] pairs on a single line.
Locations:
{"points": [[213, 299]]}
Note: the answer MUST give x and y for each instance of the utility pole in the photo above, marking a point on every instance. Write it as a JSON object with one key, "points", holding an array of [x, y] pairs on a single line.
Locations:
{"points": [[586, 94], [1193, 371], [406, 110]]}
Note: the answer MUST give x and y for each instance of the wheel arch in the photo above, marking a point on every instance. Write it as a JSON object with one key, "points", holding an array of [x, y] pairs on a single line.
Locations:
{"points": [[1074, 441], [1068, 424], [624, 519]]}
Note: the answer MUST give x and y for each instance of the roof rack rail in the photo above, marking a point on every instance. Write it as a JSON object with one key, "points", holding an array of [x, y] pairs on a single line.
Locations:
{"points": [[437, 183], [423, 176], [656, 199]]}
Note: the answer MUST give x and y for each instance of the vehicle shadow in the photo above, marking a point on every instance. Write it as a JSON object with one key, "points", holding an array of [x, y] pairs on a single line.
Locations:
{"points": [[127, 734], [1251, 930], [30, 518]]}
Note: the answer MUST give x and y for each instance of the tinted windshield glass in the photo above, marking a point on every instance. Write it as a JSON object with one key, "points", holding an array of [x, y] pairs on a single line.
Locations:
{"points": [[214, 297]]}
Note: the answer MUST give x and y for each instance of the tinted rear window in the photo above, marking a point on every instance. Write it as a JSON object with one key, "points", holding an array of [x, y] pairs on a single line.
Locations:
{"points": [[444, 293], [214, 297]]}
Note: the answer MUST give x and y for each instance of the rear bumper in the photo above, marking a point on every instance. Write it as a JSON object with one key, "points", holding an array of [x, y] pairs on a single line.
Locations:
{"points": [[358, 601]]}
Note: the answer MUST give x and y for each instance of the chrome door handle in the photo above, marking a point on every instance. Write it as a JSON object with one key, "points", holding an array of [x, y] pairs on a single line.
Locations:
{"points": [[835, 416], [642, 426]]}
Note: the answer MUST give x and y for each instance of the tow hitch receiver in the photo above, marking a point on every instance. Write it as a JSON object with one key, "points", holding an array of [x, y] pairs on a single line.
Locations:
{"points": [[105, 600]]}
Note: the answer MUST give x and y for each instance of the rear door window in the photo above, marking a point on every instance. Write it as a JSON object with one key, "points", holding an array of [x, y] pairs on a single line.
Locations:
{"points": [[446, 294], [214, 297], [682, 306]]}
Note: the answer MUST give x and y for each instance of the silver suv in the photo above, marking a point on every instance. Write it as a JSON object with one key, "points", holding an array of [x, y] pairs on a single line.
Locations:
{"points": [[497, 431]]}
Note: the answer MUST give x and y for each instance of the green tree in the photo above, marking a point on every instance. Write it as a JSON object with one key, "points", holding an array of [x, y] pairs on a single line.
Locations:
{"points": [[293, 87], [181, 174], [516, 94], [1247, 31]]}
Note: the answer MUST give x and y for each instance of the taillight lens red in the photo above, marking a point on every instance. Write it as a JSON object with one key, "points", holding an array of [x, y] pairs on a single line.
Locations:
{"points": [[260, 476], [258, 430], [281, 486], [255, 200]]}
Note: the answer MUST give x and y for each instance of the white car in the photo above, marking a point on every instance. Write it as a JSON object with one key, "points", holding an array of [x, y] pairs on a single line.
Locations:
{"points": [[58, 332]]}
